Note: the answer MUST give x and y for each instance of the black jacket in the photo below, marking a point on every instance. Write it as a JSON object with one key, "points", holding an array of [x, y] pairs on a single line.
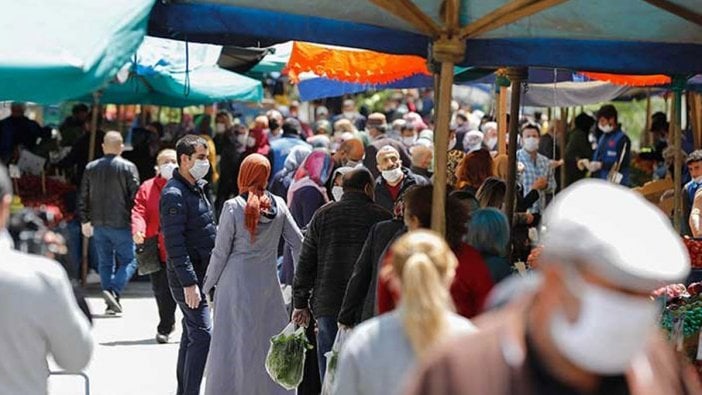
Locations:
{"points": [[107, 192], [359, 301], [333, 241], [382, 194], [189, 230]]}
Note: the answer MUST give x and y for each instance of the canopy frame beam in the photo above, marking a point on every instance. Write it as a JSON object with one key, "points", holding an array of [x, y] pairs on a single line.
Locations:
{"points": [[409, 12], [508, 13], [677, 10]]}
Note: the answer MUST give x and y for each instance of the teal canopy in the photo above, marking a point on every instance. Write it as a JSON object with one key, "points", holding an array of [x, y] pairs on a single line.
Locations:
{"points": [[54, 50], [177, 74], [204, 85]]}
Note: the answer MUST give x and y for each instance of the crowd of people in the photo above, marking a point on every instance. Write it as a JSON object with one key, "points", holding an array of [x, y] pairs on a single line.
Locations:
{"points": [[246, 227]]}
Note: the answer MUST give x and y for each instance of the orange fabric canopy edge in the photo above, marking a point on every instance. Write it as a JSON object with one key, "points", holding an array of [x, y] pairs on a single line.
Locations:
{"points": [[365, 67], [629, 80]]}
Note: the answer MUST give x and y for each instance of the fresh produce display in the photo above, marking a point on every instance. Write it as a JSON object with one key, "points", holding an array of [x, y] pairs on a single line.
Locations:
{"points": [[285, 361], [29, 188], [682, 304], [694, 248]]}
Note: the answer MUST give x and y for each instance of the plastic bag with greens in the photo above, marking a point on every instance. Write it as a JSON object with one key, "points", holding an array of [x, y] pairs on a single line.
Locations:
{"points": [[285, 362], [333, 360]]}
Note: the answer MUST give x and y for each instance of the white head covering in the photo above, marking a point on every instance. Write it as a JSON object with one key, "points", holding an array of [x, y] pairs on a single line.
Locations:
{"points": [[487, 126], [473, 140], [615, 232]]}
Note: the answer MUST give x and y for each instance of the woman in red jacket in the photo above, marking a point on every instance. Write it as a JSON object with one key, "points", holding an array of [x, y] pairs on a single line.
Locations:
{"points": [[145, 226], [472, 283]]}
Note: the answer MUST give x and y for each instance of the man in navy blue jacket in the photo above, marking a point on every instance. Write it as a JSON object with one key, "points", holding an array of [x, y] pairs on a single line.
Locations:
{"points": [[189, 230]]}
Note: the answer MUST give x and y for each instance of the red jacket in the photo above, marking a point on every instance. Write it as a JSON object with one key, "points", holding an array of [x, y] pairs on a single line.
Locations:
{"points": [[469, 289], [145, 213]]}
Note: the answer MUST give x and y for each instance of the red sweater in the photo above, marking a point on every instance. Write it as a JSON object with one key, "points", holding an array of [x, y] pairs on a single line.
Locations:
{"points": [[145, 213], [469, 289]]}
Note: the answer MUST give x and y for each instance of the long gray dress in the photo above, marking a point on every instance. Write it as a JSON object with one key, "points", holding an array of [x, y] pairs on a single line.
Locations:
{"points": [[248, 307]]}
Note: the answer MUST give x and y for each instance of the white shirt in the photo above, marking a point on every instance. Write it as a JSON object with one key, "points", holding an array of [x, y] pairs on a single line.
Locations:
{"points": [[377, 357], [39, 317]]}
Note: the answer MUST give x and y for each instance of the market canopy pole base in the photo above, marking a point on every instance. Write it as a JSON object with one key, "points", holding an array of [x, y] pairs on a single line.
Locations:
{"points": [[517, 76]]}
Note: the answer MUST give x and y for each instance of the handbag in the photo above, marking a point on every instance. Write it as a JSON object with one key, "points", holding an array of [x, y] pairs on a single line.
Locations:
{"points": [[147, 256]]}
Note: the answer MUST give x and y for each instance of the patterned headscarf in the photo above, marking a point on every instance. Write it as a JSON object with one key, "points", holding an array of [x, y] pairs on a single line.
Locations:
{"points": [[317, 166], [315, 171], [253, 178]]}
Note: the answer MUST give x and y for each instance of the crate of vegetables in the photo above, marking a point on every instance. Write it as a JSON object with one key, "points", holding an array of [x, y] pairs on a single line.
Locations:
{"points": [[694, 248], [682, 316]]}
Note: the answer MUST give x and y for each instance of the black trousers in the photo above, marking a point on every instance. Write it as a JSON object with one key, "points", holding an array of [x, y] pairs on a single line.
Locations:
{"points": [[164, 301]]}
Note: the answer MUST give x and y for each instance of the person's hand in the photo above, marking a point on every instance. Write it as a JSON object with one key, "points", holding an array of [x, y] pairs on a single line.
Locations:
{"points": [[192, 296], [86, 229], [138, 237], [556, 163], [540, 184], [583, 164], [594, 166], [301, 317], [529, 218]]}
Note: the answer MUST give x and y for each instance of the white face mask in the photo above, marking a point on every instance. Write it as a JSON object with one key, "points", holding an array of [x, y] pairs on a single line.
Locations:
{"points": [[491, 142], [337, 192], [242, 139], [452, 144], [531, 144], [606, 128], [250, 141], [409, 141], [392, 176], [200, 169], [612, 328], [220, 128], [166, 170]]}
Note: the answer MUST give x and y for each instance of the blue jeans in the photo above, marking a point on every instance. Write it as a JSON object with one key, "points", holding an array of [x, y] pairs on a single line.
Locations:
{"points": [[114, 243], [326, 333], [195, 341], [74, 241]]}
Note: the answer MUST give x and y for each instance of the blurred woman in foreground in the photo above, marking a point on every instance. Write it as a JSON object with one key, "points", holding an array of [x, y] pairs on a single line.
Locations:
{"points": [[382, 351]]}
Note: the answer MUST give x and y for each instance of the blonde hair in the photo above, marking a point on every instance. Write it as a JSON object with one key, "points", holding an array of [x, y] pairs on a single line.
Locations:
{"points": [[425, 266], [501, 164], [165, 152]]}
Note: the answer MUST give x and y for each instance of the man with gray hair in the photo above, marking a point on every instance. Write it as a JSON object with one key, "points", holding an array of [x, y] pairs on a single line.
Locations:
{"points": [[590, 325], [376, 128], [40, 314], [394, 178], [105, 207]]}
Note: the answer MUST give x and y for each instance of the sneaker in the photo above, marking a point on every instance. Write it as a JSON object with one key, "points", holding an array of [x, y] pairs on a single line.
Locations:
{"points": [[109, 311], [161, 338], [112, 301], [92, 277]]}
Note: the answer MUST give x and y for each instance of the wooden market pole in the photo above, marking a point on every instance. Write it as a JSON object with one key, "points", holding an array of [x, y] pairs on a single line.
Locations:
{"points": [[448, 49], [502, 121], [516, 75], [678, 84], [84, 264], [647, 131]]}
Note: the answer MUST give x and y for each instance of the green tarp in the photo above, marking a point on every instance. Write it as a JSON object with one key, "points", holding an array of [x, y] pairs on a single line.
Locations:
{"points": [[58, 49]]}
